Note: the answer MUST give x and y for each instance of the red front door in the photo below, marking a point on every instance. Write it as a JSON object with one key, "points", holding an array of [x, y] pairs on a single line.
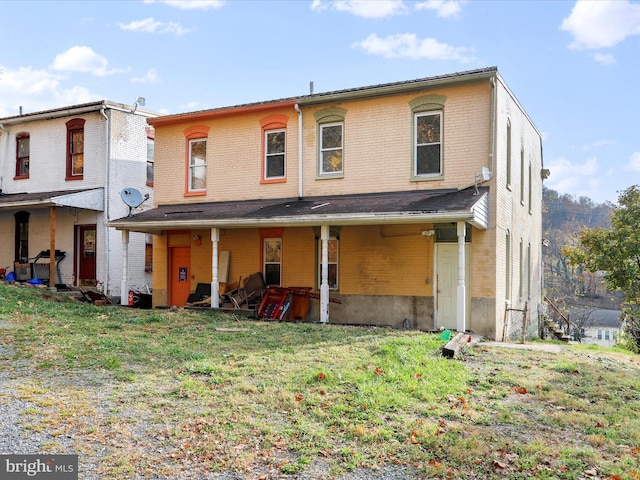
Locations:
{"points": [[179, 275], [86, 255]]}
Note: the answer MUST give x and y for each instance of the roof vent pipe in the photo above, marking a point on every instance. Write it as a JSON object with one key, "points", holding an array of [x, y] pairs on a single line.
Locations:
{"points": [[310, 88], [20, 109]]}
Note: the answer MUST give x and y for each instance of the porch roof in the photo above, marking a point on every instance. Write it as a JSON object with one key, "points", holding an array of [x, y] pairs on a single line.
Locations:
{"points": [[87, 198], [416, 206]]}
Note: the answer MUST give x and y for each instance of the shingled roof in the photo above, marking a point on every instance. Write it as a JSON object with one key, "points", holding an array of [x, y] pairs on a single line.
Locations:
{"points": [[426, 206]]}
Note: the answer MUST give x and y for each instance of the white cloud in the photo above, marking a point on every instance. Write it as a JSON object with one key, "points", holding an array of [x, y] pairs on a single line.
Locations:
{"points": [[634, 163], [192, 4], [363, 8], [150, 77], [37, 90], [83, 59], [578, 179], [602, 24], [597, 144], [443, 8], [604, 58], [408, 45], [150, 25]]}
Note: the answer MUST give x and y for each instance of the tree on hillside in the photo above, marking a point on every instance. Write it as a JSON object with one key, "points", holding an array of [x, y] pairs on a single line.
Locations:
{"points": [[616, 251], [564, 217]]}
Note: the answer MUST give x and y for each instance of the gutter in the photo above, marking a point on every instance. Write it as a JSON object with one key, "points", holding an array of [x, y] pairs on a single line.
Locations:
{"points": [[300, 188], [492, 145], [346, 219]]}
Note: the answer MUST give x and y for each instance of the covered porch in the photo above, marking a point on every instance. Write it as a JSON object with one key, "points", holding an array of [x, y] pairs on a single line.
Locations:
{"points": [[376, 253]]}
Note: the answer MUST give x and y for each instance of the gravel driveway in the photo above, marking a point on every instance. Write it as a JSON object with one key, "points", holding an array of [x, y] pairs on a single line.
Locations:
{"points": [[18, 416]]}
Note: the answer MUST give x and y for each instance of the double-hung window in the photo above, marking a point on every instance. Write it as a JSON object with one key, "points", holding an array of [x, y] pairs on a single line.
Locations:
{"points": [[428, 144], [274, 154], [22, 155], [75, 149], [196, 160], [197, 165], [150, 155], [331, 148], [333, 245]]}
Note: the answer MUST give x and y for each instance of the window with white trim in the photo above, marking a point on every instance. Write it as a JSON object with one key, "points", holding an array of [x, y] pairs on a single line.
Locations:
{"points": [[333, 247], [274, 154], [428, 144], [331, 148], [197, 164]]}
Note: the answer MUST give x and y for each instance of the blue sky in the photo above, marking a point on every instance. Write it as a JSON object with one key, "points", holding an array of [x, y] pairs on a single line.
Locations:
{"points": [[573, 65]]}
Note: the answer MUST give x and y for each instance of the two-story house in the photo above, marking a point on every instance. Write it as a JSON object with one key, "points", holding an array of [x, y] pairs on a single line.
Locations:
{"points": [[62, 172], [413, 204]]}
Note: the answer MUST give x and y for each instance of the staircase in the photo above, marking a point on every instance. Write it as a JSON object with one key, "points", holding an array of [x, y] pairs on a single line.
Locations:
{"points": [[554, 329]]}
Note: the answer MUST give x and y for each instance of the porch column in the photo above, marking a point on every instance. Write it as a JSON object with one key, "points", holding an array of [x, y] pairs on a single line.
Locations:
{"points": [[124, 282], [215, 276], [324, 277], [52, 248], [461, 297]]}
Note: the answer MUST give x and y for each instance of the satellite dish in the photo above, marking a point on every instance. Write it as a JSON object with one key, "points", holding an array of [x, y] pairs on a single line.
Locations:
{"points": [[133, 198]]}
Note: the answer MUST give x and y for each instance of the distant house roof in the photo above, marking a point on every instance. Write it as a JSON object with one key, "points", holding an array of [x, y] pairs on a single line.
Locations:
{"points": [[425, 206], [73, 110], [599, 317]]}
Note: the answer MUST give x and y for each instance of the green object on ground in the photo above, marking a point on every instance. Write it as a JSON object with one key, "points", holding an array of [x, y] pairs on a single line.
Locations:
{"points": [[445, 335]]}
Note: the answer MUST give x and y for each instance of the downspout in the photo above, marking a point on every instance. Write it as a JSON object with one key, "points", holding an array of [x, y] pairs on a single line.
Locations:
{"points": [[107, 132], [492, 145], [300, 189], [4, 153]]}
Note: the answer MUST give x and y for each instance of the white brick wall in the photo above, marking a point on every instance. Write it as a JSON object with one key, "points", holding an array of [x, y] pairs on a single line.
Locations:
{"points": [[127, 168]]}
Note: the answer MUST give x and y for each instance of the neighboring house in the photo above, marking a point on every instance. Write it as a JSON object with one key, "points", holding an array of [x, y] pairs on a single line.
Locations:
{"points": [[415, 204], [61, 176], [598, 326]]}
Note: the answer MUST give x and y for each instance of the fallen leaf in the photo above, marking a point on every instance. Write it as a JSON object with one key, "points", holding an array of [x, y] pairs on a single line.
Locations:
{"points": [[321, 376], [591, 472], [298, 397], [378, 371], [520, 390], [500, 465]]}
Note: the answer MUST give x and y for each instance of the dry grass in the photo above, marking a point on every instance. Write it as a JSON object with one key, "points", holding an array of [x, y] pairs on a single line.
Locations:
{"points": [[140, 392]]}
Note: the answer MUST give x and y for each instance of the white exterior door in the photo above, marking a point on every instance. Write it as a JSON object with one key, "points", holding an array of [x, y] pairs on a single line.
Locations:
{"points": [[447, 284]]}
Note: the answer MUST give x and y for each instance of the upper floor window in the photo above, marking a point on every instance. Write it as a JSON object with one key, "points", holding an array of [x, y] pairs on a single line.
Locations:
{"points": [[274, 148], [22, 155], [196, 165], [150, 155], [428, 111], [331, 148], [274, 154], [508, 154], [331, 141], [75, 149], [522, 176], [428, 146]]}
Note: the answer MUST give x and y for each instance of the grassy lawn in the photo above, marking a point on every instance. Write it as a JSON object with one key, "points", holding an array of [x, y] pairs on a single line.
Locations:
{"points": [[164, 391]]}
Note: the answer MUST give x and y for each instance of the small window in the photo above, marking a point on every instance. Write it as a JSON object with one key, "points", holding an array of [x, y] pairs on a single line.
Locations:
{"points": [[75, 149], [428, 146], [197, 164], [274, 156], [148, 253], [522, 176], [599, 334], [606, 335], [331, 148], [272, 255], [150, 157], [333, 245], [22, 155], [508, 154]]}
